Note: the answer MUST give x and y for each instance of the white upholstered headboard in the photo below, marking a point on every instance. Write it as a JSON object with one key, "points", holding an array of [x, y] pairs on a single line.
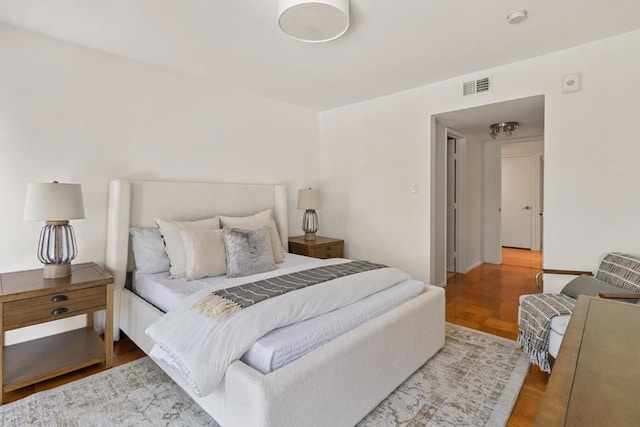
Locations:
{"points": [[137, 203]]}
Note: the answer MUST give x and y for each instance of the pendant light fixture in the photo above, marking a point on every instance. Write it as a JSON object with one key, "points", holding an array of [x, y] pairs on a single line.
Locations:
{"points": [[503, 129], [313, 21]]}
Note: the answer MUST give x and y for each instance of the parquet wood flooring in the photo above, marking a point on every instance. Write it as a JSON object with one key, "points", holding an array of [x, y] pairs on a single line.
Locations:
{"points": [[486, 299]]}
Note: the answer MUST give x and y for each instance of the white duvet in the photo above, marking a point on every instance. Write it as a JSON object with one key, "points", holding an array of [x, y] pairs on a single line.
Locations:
{"points": [[200, 348]]}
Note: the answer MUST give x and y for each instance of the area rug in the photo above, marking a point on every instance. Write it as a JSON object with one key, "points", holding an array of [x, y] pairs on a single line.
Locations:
{"points": [[473, 381]]}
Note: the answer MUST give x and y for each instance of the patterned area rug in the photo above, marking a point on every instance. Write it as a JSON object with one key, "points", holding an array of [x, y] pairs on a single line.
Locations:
{"points": [[473, 381]]}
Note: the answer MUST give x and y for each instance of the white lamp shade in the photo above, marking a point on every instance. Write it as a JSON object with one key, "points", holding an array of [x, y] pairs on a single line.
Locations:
{"points": [[309, 199], [314, 21], [53, 202]]}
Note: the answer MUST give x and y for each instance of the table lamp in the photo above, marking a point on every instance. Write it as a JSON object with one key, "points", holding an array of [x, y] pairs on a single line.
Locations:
{"points": [[56, 204], [309, 200]]}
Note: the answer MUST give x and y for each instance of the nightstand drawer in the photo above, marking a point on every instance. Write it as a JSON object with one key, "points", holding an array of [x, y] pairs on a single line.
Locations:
{"points": [[27, 298], [329, 251], [321, 247], [54, 306]]}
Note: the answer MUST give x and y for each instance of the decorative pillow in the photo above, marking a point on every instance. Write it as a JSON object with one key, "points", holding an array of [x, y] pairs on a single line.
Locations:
{"points": [[170, 231], [258, 220], [621, 270], [249, 251], [204, 253], [148, 250], [587, 285]]}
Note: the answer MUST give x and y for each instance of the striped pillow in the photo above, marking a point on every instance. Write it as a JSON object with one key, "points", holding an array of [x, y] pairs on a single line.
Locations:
{"points": [[621, 270]]}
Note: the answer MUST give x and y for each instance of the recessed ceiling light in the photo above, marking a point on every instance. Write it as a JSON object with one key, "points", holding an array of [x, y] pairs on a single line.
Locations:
{"points": [[517, 17]]}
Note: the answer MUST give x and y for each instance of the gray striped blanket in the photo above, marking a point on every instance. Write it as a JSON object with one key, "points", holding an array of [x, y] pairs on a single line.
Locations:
{"points": [[225, 302], [536, 312]]}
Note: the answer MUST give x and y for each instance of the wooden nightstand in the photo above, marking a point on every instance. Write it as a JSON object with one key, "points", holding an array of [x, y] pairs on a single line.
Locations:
{"points": [[27, 299], [322, 247]]}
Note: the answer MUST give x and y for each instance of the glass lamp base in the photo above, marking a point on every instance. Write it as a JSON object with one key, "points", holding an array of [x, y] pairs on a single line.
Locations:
{"points": [[310, 224]]}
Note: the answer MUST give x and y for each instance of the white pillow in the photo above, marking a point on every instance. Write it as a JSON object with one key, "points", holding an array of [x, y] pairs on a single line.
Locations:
{"points": [[148, 250], [258, 220], [173, 241], [205, 254]]}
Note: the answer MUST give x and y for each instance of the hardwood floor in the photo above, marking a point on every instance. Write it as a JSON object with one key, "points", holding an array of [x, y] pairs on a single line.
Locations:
{"points": [[485, 299]]}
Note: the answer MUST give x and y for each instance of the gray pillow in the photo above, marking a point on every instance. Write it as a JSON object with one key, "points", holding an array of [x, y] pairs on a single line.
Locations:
{"points": [[148, 250], [249, 251], [587, 285]]}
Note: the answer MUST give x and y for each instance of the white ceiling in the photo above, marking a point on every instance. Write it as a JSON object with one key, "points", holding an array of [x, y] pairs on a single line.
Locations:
{"points": [[390, 46], [529, 112]]}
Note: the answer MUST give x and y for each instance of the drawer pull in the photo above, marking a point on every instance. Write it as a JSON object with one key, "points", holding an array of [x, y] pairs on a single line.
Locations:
{"points": [[58, 298], [58, 311]]}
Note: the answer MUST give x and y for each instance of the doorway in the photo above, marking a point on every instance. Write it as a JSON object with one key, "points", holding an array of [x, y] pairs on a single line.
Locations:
{"points": [[517, 201], [455, 200], [452, 194], [522, 185], [466, 198]]}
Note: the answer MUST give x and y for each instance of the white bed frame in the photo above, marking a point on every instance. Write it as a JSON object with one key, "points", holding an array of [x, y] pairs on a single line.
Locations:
{"points": [[336, 384]]}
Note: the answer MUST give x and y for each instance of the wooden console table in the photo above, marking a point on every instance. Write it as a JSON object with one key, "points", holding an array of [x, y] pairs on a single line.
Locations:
{"points": [[596, 378]]}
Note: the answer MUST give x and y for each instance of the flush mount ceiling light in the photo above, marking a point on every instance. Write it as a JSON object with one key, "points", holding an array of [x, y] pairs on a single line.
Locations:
{"points": [[517, 17], [503, 129], [314, 21]]}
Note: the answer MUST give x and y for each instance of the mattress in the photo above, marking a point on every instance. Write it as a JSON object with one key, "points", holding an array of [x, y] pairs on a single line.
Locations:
{"points": [[289, 343], [164, 293], [284, 345]]}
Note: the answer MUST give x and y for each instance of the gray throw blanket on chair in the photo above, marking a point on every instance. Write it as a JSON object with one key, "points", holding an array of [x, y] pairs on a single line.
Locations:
{"points": [[536, 312]]}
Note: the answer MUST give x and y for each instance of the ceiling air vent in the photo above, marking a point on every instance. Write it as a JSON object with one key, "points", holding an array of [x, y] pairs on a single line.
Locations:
{"points": [[476, 86]]}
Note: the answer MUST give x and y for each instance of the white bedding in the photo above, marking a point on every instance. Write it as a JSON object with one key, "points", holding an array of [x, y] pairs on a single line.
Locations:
{"points": [[285, 345], [165, 293], [201, 348]]}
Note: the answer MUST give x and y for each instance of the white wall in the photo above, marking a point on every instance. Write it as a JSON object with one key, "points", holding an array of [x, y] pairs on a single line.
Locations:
{"points": [[517, 148], [76, 115], [372, 152]]}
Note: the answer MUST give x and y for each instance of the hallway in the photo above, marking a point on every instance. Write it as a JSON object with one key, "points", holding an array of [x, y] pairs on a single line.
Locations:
{"points": [[486, 299]]}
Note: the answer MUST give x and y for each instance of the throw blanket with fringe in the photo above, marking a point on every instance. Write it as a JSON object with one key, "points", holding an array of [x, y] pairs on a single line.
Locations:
{"points": [[536, 312], [200, 348], [225, 302]]}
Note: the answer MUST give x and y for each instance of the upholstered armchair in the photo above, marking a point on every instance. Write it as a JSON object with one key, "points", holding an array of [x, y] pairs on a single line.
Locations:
{"points": [[617, 276]]}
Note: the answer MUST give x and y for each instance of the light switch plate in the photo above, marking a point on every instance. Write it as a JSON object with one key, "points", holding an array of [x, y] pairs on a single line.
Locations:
{"points": [[572, 83]]}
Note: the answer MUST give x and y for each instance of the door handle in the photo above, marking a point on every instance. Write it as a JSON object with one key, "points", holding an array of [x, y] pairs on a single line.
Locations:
{"points": [[527, 207]]}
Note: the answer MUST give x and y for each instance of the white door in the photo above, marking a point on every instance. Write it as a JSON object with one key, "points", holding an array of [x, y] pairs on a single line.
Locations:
{"points": [[451, 205], [517, 201]]}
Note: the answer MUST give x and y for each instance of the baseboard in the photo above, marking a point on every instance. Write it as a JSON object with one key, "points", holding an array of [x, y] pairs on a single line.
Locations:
{"points": [[472, 266]]}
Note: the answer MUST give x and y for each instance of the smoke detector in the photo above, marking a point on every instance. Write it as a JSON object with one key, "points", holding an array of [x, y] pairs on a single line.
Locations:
{"points": [[517, 17]]}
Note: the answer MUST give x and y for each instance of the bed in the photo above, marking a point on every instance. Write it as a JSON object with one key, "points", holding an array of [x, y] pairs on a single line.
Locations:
{"points": [[336, 384]]}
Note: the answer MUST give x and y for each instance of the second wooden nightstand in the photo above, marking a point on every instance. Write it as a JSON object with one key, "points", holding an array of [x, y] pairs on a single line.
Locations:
{"points": [[322, 247]]}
